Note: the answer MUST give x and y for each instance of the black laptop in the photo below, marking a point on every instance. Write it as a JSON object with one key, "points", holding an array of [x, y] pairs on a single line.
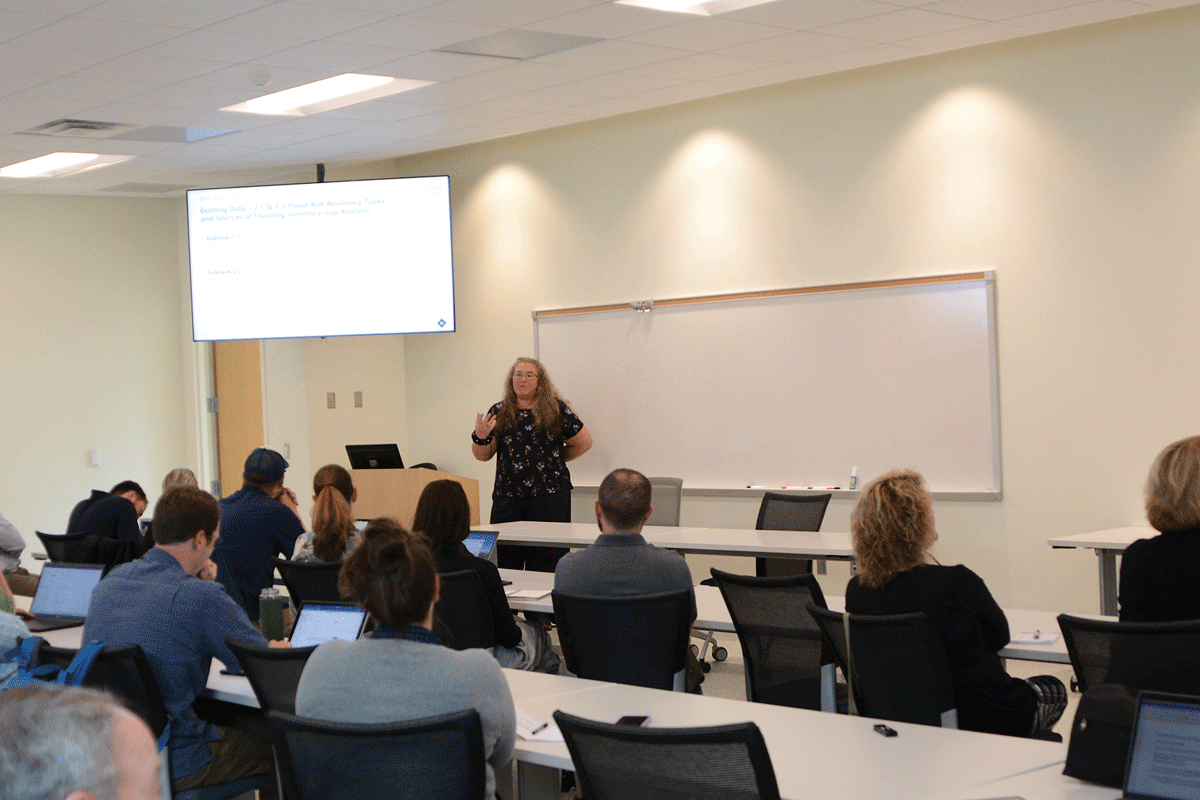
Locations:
{"points": [[374, 456], [1164, 750], [63, 595]]}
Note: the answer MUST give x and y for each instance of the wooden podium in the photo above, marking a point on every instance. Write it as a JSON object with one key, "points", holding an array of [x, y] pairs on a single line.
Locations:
{"points": [[395, 492]]}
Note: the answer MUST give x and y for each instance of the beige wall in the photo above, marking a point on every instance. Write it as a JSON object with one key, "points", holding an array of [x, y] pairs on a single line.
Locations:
{"points": [[92, 354], [1067, 163]]}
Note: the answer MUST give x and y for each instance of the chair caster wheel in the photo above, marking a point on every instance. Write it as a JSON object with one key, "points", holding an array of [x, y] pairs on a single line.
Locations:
{"points": [[720, 654], [705, 666], [695, 650]]}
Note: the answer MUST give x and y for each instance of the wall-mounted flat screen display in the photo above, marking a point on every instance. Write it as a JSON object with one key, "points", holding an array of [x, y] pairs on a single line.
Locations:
{"points": [[346, 258]]}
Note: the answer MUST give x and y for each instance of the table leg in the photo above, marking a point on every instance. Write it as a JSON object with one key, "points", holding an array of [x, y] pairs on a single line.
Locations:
{"points": [[1108, 581]]}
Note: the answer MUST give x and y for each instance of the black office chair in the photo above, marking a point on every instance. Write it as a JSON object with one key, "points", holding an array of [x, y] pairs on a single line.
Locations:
{"points": [[624, 762], [274, 673], [1158, 656], [309, 580], [785, 658], [462, 616], [895, 664], [86, 548], [440, 757], [789, 512], [70, 548], [639, 641], [125, 671]]}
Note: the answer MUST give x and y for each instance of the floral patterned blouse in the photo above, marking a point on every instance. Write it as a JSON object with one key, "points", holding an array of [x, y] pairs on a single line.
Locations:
{"points": [[529, 461]]}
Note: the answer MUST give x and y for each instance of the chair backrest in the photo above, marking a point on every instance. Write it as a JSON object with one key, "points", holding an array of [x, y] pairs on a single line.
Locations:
{"points": [[1159, 656], [624, 762], [781, 643], [463, 611], [307, 580], [640, 640], [789, 512], [440, 757], [666, 498], [896, 664], [274, 673], [123, 670], [72, 548]]}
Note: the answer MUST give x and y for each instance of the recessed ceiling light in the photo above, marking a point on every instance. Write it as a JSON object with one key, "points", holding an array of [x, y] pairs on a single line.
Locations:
{"points": [[702, 7], [326, 95], [57, 164]]}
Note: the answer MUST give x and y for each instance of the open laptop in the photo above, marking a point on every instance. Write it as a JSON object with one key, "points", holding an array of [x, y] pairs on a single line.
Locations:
{"points": [[63, 595], [322, 621], [1164, 750], [482, 544]]}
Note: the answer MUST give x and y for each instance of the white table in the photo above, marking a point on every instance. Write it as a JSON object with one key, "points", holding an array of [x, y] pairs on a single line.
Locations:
{"points": [[713, 541], [713, 615], [1046, 783], [815, 754], [1108, 545]]}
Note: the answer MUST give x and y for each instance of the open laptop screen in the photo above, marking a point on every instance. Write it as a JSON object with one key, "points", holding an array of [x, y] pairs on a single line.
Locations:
{"points": [[481, 543], [322, 622], [65, 590], [1164, 753]]}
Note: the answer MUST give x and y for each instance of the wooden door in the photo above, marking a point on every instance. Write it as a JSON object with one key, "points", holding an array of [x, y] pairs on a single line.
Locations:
{"points": [[237, 380]]}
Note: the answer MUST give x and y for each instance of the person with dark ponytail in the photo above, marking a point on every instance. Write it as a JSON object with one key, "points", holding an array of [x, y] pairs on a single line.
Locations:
{"points": [[402, 671], [333, 534], [443, 515]]}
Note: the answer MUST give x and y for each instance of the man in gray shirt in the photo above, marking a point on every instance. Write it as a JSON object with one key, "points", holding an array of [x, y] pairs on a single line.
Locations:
{"points": [[621, 563]]}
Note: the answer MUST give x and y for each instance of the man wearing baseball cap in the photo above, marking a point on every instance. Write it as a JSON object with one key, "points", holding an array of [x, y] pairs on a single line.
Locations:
{"points": [[259, 521]]}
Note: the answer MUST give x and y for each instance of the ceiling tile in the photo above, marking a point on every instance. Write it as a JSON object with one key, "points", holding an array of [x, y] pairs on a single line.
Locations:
{"points": [[504, 13], [707, 33], [613, 54], [701, 66], [184, 15], [806, 14], [414, 33], [792, 47], [221, 46], [609, 21], [896, 25], [299, 21]]}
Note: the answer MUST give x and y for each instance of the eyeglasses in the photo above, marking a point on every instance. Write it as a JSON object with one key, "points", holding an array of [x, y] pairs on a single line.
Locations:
{"points": [[532, 375]]}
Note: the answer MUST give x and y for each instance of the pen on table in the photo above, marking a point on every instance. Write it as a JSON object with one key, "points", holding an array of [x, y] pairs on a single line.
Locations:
{"points": [[539, 729]]}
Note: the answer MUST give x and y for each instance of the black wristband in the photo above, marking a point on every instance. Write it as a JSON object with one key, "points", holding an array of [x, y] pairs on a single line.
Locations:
{"points": [[479, 441]]}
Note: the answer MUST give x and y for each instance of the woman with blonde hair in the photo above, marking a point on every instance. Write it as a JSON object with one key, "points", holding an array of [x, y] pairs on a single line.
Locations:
{"points": [[892, 529], [333, 534], [1160, 576], [533, 433]]}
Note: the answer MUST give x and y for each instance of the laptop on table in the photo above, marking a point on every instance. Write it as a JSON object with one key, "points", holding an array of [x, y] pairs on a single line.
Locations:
{"points": [[482, 544], [63, 595], [322, 621], [1164, 750]]}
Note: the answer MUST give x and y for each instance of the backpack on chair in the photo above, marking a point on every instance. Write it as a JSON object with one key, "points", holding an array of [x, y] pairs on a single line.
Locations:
{"points": [[25, 654]]}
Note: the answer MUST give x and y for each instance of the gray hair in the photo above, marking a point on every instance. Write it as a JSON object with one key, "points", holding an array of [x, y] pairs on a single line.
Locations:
{"points": [[180, 476], [55, 740]]}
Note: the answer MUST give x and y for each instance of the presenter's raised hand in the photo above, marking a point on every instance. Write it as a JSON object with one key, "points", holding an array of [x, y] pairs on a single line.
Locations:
{"points": [[484, 425]]}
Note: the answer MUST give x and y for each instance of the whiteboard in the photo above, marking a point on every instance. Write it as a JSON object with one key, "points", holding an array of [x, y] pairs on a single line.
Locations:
{"points": [[792, 389]]}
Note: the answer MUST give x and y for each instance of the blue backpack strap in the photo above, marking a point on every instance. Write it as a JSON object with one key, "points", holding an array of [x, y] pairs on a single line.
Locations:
{"points": [[76, 672]]}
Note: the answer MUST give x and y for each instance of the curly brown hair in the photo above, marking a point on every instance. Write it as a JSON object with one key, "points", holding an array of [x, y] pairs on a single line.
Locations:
{"points": [[1173, 489], [546, 413], [891, 527], [392, 574]]}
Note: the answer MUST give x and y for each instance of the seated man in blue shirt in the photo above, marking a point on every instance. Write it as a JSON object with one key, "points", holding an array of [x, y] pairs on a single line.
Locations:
{"points": [[113, 515], [257, 522], [168, 602]]}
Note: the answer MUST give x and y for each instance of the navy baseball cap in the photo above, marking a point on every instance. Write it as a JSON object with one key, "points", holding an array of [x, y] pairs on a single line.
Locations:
{"points": [[268, 463]]}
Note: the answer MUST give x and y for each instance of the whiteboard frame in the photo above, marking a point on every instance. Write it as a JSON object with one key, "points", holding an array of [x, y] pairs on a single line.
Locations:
{"points": [[988, 277]]}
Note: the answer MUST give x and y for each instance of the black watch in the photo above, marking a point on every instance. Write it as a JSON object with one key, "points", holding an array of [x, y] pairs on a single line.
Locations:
{"points": [[479, 441]]}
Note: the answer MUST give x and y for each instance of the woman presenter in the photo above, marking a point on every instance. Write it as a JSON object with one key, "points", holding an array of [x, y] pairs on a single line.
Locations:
{"points": [[534, 433]]}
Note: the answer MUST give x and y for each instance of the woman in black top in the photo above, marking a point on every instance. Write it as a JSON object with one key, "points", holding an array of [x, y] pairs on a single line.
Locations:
{"points": [[533, 433], [444, 516], [1160, 577], [892, 529]]}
